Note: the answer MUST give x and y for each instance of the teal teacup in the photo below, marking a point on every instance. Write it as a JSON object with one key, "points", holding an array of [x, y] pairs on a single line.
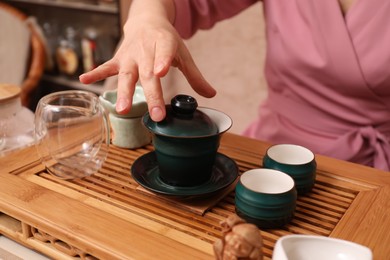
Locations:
{"points": [[295, 160], [266, 198]]}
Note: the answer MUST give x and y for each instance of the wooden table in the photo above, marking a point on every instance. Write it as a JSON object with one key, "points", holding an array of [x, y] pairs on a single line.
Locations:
{"points": [[104, 216]]}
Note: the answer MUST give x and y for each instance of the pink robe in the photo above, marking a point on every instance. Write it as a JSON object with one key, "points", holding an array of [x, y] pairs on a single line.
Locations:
{"points": [[328, 74]]}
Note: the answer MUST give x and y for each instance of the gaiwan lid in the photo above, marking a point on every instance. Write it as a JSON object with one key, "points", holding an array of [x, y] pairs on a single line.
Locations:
{"points": [[183, 119]]}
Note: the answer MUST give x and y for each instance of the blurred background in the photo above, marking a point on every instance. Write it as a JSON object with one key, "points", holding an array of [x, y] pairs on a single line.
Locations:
{"points": [[81, 34]]}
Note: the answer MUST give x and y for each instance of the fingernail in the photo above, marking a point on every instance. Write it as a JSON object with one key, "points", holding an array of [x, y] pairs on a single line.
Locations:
{"points": [[81, 77], [157, 114], [158, 67], [121, 105]]}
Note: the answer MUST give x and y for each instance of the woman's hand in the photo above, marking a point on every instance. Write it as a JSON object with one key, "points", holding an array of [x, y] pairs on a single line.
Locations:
{"points": [[150, 46]]}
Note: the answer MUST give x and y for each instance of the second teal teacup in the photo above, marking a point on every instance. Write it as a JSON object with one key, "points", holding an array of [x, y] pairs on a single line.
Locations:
{"points": [[295, 160], [266, 198]]}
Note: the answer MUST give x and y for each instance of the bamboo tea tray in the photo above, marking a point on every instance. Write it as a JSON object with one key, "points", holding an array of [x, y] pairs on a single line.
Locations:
{"points": [[105, 216]]}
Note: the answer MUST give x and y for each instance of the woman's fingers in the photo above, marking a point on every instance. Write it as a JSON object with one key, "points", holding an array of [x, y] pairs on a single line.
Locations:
{"points": [[151, 83], [165, 52], [186, 64], [154, 98], [127, 79], [148, 60], [107, 69], [171, 50]]}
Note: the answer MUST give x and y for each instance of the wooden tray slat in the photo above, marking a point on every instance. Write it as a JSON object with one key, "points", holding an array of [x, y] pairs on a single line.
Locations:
{"points": [[317, 212]]}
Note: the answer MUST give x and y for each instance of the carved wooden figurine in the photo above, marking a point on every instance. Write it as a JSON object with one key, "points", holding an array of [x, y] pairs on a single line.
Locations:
{"points": [[240, 241]]}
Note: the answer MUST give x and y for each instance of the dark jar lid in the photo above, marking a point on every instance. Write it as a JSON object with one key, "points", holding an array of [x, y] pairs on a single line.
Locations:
{"points": [[183, 119]]}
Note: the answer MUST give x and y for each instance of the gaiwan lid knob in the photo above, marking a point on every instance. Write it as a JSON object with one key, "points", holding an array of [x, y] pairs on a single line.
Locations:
{"points": [[183, 119], [184, 105]]}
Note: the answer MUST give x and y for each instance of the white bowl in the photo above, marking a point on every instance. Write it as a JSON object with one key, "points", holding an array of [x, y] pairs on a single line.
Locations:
{"points": [[308, 247]]}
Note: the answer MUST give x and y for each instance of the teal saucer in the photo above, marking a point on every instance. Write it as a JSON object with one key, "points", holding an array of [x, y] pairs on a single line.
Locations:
{"points": [[145, 171]]}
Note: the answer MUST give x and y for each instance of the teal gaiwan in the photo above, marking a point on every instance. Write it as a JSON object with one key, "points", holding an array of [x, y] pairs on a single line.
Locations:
{"points": [[186, 141]]}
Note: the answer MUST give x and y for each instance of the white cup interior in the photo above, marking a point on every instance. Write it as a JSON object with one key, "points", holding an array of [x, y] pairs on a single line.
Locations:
{"points": [[290, 154], [308, 247], [267, 181], [223, 121]]}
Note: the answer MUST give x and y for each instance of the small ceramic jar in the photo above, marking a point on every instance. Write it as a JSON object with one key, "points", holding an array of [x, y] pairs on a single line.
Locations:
{"points": [[16, 121], [127, 130]]}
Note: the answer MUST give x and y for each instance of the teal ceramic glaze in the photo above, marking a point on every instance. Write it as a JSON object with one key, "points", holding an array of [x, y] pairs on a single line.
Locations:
{"points": [[146, 172], [127, 129], [186, 141], [183, 119], [297, 161], [266, 198], [186, 162]]}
